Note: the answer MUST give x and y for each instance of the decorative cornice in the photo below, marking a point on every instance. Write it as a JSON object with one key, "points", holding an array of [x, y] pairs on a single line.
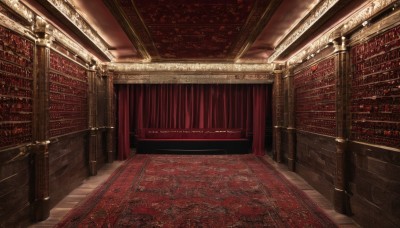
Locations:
{"points": [[43, 31], [20, 9], [375, 28], [365, 14], [41, 24], [315, 14], [255, 78], [310, 51], [353, 21], [72, 45], [190, 67], [69, 11], [15, 26]]}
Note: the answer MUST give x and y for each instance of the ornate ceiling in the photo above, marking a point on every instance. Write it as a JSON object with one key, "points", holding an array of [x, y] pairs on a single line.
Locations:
{"points": [[225, 31], [192, 29]]}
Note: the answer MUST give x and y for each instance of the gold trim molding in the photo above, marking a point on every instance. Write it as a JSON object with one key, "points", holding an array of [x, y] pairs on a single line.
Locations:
{"points": [[190, 67], [255, 78], [15, 26], [73, 46], [69, 11], [354, 20], [58, 35], [20, 9], [366, 13], [315, 15]]}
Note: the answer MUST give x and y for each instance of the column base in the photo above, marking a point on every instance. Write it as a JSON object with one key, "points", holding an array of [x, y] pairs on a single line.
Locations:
{"points": [[41, 209], [93, 168], [339, 201], [291, 165]]}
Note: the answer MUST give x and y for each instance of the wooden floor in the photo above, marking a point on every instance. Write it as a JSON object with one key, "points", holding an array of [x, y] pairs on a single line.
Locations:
{"points": [[79, 194]]}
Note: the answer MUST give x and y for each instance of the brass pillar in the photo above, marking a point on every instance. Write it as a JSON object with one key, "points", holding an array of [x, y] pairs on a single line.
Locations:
{"points": [[341, 61], [41, 191], [92, 104], [291, 130], [110, 121], [278, 115]]}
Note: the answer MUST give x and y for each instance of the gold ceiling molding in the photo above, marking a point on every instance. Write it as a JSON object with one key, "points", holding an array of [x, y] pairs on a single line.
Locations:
{"points": [[317, 45], [313, 17], [69, 11], [56, 34], [356, 19], [365, 13], [20, 9], [15, 26], [255, 78], [190, 67], [73, 46]]}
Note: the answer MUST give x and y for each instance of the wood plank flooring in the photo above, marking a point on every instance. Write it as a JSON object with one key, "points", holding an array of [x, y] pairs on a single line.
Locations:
{"points": [[91, 183]]}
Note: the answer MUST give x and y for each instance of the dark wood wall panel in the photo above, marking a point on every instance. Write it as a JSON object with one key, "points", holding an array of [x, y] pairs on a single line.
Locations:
{"points": [[375, 184], [315, 97], [68, 96], [15, 173], [375, 90], [68, 165], [316, 161], [285, 146], [16, 84], [101, 156]]}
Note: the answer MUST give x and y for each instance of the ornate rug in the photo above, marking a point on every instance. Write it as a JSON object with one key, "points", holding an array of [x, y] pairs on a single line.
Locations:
{"points": [[196, 191]]}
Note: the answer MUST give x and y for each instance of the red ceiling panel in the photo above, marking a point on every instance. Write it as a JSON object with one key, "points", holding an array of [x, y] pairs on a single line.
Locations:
{"points": [[192, 29]]}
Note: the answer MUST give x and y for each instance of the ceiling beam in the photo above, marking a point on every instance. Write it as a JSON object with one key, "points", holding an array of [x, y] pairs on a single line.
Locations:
{"points": [[254, 31], [139, 36], [67, 15]]}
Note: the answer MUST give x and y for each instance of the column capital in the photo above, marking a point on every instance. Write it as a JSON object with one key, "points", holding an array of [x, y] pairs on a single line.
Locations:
{"points": [[43, 31], [340, 44], [104, 71]]}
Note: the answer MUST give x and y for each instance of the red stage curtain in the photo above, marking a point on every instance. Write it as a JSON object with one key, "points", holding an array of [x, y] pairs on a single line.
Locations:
{"points": [[182, 106], [259, 112], [123, 122]]}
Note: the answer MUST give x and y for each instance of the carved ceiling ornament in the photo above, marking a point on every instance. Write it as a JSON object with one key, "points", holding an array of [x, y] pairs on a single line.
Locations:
{"points": [[15, 26], [191, 67], [73, 46], [191, 73], [20, 9], [354, 20]]}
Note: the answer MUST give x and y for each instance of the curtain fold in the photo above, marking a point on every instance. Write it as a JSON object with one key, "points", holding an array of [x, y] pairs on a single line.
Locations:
{"points": [[180, 106], [123, 122], [259, 118]]}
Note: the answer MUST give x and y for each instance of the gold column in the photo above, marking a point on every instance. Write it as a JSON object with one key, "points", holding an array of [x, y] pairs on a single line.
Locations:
{"points": [[278, 115], [92, 103], [291, 130], [340, 178], [41, 192], [110, 120]]}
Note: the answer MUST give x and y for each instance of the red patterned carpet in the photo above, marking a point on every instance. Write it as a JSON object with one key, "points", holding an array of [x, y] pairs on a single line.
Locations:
{"points": [[196, 191]]}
